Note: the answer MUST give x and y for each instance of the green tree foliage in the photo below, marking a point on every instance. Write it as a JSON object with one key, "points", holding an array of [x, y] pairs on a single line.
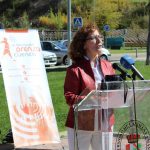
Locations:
{"points": [[99, 11], [58, 21], [116, 13], [24, 20], [133, 12], [79, 8], [106, 13]]}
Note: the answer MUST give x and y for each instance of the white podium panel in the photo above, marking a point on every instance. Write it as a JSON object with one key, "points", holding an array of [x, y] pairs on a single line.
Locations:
{"points": [[126, 101]]}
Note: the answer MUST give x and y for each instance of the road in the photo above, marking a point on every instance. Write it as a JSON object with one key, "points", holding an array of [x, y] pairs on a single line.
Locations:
{"points": [[113, 58], [140, 56]]}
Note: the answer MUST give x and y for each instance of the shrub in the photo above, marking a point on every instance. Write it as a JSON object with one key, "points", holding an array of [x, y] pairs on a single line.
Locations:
{"points": [[58, 21]]}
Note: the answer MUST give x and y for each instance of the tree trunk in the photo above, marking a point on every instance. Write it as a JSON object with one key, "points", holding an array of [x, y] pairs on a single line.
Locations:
{"points": [[148, 39]]}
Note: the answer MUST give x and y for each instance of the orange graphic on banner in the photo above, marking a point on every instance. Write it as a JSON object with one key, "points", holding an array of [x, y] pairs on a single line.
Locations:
{"points": [[17, 31], [35, 120], [6, 47]]}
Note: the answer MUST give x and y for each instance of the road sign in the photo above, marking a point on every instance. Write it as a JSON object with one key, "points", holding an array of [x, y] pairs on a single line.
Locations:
{"points": [[77, 22], [106, 28]]}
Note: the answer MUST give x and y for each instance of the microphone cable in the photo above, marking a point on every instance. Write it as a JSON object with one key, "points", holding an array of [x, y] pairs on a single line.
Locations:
{"points": [[125, 91]]}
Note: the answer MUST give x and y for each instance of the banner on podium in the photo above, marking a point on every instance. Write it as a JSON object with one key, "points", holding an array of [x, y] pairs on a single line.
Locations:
{"points": [[133, 146], [29, 100]]}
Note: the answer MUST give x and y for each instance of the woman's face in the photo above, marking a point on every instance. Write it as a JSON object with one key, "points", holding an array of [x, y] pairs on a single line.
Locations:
{"points": [[93, 44]]}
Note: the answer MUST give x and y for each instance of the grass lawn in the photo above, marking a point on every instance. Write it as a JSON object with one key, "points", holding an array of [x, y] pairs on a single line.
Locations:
{"points": [[125, 50], [56, 81]]}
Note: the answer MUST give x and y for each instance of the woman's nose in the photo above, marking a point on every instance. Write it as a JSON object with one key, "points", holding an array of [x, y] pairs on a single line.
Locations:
{"points": [[99, 40]]}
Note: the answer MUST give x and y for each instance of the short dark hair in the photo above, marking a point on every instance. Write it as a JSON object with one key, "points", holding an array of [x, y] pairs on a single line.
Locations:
{"points": [[76, 49]]}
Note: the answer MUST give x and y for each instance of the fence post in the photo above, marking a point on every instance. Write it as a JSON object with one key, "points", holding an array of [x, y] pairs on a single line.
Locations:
{"points": [[136, 51], [43, 34]]}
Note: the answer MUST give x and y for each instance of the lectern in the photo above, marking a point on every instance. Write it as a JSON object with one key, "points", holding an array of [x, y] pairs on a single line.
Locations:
{"points": [[94, 110]]}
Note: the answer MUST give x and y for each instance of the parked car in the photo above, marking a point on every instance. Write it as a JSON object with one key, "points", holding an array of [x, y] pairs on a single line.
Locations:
{"points": [[105, 54], [63, 42], [58, 49], [50, 59]]}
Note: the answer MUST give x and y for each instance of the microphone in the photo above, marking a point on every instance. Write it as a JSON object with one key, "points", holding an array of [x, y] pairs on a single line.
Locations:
{"points": [[123, 72], [128, 63]]}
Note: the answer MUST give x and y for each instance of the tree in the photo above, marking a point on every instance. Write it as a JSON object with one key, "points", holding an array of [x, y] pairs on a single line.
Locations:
{"points": [[106, 12], [137, 30], [24, 21], [54, 21], [148, 39]]}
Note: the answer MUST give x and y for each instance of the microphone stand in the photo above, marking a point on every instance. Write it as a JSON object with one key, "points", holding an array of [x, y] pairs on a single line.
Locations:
{"points": [[123, 76], [134, 76], [133, 113]]}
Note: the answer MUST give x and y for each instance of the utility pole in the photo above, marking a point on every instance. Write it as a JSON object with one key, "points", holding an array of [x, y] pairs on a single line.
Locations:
{"points": [[69, 24], [69, 21]]}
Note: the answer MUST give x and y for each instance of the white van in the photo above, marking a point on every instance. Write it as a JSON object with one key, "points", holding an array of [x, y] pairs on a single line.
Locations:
{"points": [[50, 59]]}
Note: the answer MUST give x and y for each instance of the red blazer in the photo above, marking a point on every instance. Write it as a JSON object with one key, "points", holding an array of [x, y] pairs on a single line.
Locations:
{"points": [[79, 76]]}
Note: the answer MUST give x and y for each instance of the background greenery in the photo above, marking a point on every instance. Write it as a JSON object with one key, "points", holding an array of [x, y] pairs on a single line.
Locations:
{"points": [[56, 81], [52, 14]]}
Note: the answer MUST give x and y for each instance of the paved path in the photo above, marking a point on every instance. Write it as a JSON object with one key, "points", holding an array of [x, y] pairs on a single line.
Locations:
{"points": [[113, 57], [63, 145], [140, 56]]}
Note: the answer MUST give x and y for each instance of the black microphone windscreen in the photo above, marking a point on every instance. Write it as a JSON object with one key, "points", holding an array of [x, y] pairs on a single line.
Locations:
{"points": [[115, 65]]}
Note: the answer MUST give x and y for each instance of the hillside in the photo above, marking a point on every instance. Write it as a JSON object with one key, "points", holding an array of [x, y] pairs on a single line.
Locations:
{"points": [[52, 14], [34, 8]]}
